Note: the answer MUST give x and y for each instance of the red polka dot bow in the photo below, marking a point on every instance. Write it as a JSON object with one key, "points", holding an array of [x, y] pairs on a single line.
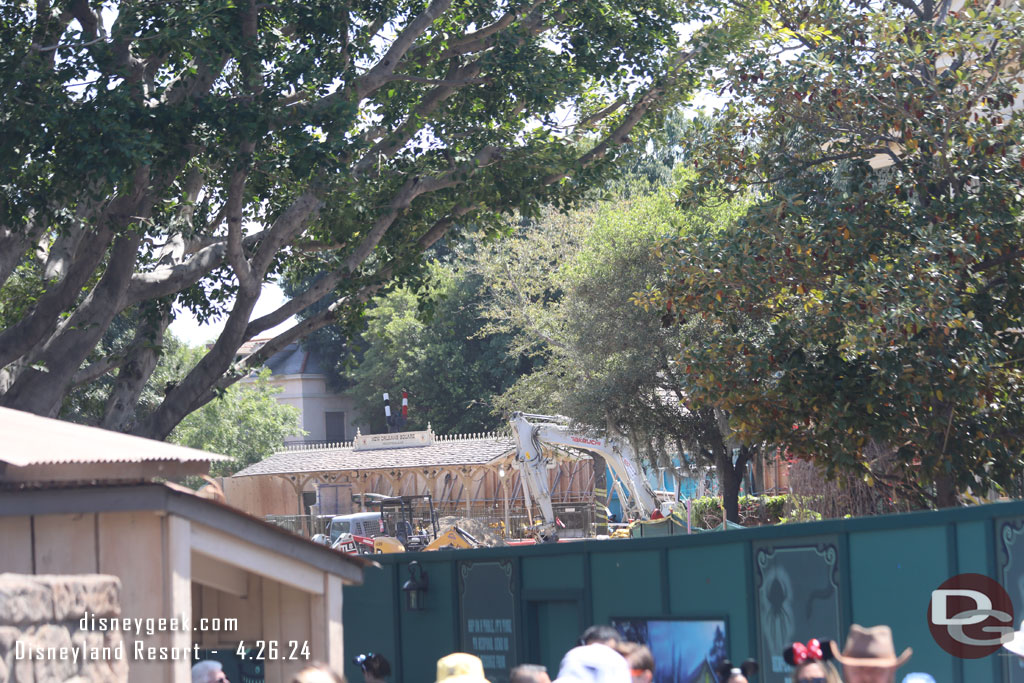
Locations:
{"points": [[811, 652]]}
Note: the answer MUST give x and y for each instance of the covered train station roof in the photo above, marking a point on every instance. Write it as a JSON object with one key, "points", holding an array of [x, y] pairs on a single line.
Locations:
{"points": [[386, 452]]}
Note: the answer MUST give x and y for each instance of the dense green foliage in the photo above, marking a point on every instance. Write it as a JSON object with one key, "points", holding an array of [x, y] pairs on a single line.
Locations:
{"points": [[432, 344], [874, 293], [565, 287], [706, 512], [246, 423], [188, 152]]}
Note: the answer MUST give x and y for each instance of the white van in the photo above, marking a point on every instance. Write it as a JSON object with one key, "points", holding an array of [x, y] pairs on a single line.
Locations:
{"points": [[358, 524]]}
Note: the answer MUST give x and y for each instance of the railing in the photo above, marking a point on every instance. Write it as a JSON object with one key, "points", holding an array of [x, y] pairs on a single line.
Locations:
{"points": [[437, 438], [315, 446], [578, 517], [303, 525]]}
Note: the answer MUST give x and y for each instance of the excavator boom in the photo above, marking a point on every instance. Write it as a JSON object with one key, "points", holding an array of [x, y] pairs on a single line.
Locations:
{"points": [[534, 432]]}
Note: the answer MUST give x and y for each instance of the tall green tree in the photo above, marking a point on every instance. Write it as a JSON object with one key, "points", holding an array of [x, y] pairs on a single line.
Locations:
{"points": [[872, 299], [246, 423], [566, 289], [432, 344], [191, 151]]}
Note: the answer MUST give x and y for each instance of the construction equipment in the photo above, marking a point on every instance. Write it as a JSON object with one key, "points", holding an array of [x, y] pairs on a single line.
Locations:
{"points": [[454, 537], [406, 531], [533, 433], [403, 526]]}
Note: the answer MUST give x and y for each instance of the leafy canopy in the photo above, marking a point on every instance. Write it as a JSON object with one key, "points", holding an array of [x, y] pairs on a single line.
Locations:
{"points": [[185, 153], [246, 423], [432, 344], [565, 287], [874, 292]]}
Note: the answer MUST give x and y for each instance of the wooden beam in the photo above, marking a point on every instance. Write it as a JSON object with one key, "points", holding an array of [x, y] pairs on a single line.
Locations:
{"points": [[89, 471], [318, 638], [272, 627], [208, 639], [211, 572], [467, 485], [132, 547], [295, 609], [335, 635], [240, 553], [178, 590]]}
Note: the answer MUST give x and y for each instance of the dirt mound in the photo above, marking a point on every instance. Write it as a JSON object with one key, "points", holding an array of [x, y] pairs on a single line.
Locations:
{"points": [[477, 528]]}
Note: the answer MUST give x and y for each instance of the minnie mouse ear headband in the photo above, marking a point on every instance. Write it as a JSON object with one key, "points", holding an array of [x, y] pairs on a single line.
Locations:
{"points": [[814, 651], [727, 669]]}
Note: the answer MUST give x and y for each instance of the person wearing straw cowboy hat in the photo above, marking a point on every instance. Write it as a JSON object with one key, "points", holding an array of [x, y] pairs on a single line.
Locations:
{"points": [[869, 655]]}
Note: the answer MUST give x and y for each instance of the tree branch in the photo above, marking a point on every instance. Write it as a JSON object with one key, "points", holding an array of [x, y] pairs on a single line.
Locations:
{"points": [[383, 69], [323, 284], [602, 114], [40, 392], [94, 371], [140, 359], [394, 141], [233, 209], [997, 261], [438, 81], [31, 329], [483, 39]]}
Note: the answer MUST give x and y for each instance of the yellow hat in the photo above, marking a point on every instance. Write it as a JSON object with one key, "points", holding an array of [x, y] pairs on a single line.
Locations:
{"points": [[460, 667]]}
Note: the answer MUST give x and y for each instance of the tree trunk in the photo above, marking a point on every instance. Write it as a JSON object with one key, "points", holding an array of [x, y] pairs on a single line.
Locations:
{"points": [[31, 330], [946, 493], [41, 390], [731, 477], [196, 389], [143, 354], [729, 481]]}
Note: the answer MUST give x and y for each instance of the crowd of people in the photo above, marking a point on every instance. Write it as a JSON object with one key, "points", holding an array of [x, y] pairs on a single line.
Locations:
{"points": [[602, 656]]}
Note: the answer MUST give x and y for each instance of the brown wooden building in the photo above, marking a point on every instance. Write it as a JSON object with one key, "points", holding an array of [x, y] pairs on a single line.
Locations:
{"points": [[79, 500], [468, 475]]}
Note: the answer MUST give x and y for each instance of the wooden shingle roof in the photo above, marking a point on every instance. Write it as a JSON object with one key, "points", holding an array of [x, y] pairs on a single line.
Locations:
{"points": [[445, 451]]}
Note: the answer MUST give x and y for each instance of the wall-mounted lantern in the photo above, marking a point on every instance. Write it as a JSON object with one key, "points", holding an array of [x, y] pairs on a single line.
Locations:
{"points": [[415, 588]]}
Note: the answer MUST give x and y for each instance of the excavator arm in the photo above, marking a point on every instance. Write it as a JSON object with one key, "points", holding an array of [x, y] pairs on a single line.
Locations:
{"points": [[534, 432]]}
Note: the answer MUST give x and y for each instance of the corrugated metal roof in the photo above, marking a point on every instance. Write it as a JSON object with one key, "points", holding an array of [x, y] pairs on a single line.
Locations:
{"points": [[27, 439], [443, 452]]}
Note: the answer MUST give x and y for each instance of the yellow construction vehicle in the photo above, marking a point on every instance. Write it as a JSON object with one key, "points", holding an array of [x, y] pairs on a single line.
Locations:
{"points": [[454, 537], [407, 531]]}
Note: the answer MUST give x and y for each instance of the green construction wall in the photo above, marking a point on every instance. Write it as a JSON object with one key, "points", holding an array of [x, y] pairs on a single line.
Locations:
{"points": [[887, 567]]}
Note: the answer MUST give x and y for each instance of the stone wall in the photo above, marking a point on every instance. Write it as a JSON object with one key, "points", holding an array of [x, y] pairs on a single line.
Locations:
{"points": [[42, 638]]}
